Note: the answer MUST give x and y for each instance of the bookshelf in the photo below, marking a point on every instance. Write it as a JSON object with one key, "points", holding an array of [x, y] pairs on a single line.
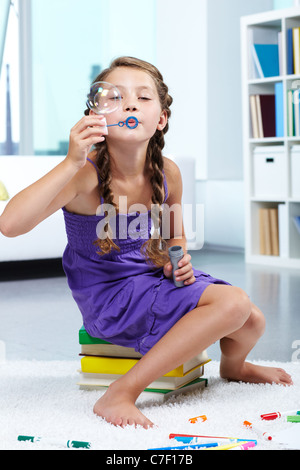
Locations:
{"points": [[271, 136]]}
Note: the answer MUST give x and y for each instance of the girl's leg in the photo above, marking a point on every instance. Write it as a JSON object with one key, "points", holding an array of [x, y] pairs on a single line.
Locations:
{"points": [[236, 347], [222, 312]]}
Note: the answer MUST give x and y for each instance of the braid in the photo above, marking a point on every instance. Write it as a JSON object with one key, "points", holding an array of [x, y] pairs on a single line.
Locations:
{"points": [[105, 243], [154, 249]]}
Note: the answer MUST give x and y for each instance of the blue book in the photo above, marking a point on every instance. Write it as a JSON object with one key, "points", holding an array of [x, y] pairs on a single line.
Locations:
{"points": [[266, 57], [279, 112], [290, 52]]}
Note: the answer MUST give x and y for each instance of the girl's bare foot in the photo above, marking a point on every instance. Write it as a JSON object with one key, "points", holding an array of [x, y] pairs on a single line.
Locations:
{"points": [[256, 374], [117, 407]]}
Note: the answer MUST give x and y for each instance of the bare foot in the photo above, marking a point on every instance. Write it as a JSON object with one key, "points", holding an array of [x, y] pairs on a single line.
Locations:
{"points": [[117, 407], [256, 374]]}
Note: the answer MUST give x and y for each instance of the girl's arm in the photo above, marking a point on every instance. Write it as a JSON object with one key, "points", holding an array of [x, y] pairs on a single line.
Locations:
{"points": [[58, 187], [177, 234]]}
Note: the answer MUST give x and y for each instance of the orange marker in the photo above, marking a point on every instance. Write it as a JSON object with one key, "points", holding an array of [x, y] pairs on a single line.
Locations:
{"points": [[198, 419]]}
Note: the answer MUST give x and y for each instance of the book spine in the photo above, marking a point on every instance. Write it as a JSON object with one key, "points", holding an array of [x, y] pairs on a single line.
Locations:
{"points": [[290, 52]]}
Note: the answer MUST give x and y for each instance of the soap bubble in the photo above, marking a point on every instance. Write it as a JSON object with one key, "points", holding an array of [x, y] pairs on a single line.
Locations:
{"points": [[104, 98]]}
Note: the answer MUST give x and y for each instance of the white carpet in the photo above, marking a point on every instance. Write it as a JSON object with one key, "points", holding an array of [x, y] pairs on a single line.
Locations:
{"points": [[42, 399]]}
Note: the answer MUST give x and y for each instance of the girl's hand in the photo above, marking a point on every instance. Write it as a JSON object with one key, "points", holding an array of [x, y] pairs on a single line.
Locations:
{"points": [[87, 132], [184, 272]]}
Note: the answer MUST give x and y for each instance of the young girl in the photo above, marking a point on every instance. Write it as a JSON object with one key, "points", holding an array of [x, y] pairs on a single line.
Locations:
{"points": [[123, 285]]}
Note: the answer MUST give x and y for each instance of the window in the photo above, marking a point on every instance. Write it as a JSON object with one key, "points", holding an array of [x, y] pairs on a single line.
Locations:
{"points": [[9, 78], [71, 43]]}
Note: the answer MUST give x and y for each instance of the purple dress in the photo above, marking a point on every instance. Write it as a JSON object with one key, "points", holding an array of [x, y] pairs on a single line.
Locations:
{"points": [[122, 299]]}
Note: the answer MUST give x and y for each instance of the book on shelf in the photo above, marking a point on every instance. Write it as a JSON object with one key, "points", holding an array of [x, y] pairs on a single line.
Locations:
{"points": [[266, 60], [269, 231], [263, 115], [290, 52], [293, 113], [103, 363], [279, 110], [293, 51]]}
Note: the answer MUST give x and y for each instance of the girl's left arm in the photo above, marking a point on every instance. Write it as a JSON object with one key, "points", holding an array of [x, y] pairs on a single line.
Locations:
{"points": [[172, 224]]}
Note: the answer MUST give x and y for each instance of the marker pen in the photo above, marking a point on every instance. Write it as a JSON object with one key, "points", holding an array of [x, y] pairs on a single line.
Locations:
{"points": [[55, 442], [265, 435], [277, 414]]}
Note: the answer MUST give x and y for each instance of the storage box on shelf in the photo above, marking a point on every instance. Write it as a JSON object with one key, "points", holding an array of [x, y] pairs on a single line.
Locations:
{"points": [[271, 135]]}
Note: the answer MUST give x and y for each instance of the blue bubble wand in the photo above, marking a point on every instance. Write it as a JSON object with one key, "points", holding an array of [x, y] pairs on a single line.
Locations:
{"points": [[127, 123]]}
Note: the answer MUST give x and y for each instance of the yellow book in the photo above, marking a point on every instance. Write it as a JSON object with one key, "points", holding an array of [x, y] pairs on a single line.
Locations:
{"points": [[120, 366]]}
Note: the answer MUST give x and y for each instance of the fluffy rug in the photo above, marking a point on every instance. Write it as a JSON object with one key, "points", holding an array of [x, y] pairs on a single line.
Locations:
{"points": [[42, 399]]}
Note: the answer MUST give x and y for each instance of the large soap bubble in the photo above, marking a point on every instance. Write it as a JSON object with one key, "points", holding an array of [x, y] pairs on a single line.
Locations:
{"points": [[103, 98]]}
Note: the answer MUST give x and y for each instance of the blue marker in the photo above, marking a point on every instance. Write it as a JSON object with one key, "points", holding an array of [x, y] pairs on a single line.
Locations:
{"points": [[192, 446]]}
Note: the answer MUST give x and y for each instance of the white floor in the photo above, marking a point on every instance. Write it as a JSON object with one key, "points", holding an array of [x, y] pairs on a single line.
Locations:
{"points": [[40, 320]]}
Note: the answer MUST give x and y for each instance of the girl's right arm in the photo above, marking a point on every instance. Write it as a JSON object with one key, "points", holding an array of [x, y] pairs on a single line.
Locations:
{"points": [[58, 187]]}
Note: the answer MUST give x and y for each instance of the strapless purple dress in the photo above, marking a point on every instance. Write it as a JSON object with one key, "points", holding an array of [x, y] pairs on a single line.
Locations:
{"points": [[122, 299]]}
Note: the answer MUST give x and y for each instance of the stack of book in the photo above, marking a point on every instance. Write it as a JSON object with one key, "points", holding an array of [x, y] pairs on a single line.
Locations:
{"points": [[103, 363], [269, 231]]}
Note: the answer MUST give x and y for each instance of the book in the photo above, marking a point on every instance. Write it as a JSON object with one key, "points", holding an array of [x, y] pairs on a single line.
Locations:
{"points": [[279, 110], [156, 393], [254, 117], [269, 231], [263, 115], [274, 232], [120, 366], [267, 112], [265, 232], [290, 114], [266, 59], [164, 382], [99, 347], [296, 50], [290, 52], [280, 54]]}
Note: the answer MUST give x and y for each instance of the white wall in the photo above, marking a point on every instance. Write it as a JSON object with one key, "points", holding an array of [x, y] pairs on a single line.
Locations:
{"points": [[199, 55], [182, 58]]}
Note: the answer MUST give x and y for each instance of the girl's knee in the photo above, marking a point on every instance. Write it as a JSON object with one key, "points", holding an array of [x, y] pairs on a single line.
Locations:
{"points": [[237, 307], [231, 303], [256, 321]]}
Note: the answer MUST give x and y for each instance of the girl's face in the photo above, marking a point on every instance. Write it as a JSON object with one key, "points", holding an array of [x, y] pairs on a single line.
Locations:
{"points": [[139, 99]]}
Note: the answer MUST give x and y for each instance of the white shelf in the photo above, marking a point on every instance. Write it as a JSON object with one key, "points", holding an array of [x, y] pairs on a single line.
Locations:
{"points": [[263, 29]]}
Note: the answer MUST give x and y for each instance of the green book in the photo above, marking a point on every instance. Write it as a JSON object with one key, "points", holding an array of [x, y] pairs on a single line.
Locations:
{"points": [[91, 346], [85, 338], [184, 389]]}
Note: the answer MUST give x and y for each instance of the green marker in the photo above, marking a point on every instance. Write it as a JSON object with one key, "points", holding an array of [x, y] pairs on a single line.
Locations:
{"points": [[69, 444], [293, 419]]}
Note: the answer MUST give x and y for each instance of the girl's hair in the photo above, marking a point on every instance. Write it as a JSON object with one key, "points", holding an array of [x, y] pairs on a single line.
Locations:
{"points": [[153, 249]]}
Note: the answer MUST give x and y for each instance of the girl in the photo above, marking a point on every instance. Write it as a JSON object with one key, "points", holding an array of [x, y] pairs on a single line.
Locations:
{"points": [[123, 285]]}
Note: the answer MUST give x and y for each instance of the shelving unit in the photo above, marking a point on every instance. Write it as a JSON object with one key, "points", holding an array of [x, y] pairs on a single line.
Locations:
{"points": [[271, 164]]}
